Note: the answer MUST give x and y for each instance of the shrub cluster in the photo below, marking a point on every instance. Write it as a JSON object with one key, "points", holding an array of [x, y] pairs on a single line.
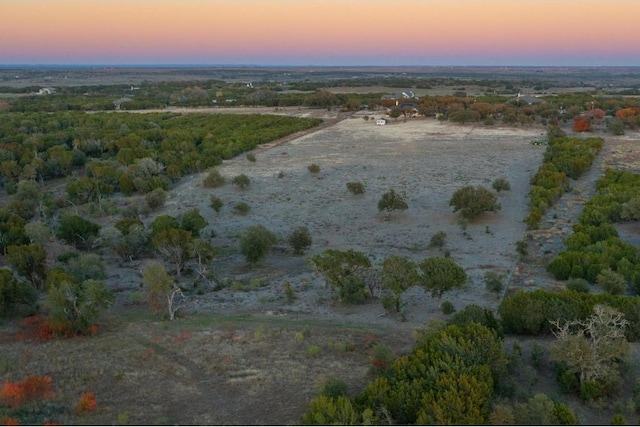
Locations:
{"points": [[313, 168], [213, 179], [594, 245], [564, 158], [473, 201], [415, 388], [528, 313], [355, 187]]}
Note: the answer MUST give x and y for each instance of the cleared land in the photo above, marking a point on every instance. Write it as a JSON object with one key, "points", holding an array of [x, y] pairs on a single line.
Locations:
{"points": [[423, 158]]}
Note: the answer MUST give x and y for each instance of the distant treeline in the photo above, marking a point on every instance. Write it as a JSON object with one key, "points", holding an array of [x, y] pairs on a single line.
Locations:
{"points": [[499, 102]]}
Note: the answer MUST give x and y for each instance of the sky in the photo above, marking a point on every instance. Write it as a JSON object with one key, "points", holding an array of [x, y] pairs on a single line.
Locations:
{"points": [[321, 32]]}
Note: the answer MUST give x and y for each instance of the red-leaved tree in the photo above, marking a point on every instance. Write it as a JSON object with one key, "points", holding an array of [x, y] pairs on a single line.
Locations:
{"points": [[581, 124]]}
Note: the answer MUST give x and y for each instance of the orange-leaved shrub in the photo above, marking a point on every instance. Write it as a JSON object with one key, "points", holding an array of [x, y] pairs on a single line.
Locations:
{"points": [[86, 403], [28, 390]]}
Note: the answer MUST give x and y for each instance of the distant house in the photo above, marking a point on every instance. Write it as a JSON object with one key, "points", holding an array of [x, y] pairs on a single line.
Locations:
{"points": [[381, 122], [46, 91], [407, 94], [526, 100]]}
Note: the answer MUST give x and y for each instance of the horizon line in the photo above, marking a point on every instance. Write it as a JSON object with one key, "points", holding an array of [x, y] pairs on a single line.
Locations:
{"points": [[243, 65]]}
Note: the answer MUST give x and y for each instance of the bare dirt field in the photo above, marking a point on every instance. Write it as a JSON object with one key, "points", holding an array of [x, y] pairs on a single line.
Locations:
{"points": [[424, 158]]}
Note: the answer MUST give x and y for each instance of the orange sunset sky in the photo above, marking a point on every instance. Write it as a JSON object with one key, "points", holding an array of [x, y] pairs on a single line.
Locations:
{"points": [[321, 32]]}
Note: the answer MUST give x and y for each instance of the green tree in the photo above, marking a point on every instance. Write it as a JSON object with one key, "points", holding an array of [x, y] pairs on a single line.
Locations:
{"points": [[541, 410], [440, 275], [15, 293], [392, 201], [38, 232], [473, 201], [300, 240], [345, 271], [458, 399], [163, 223], [494, 282], [156, 198], [162, 289], [256, 242], [325, 410], [612, 282], [74, 307], [124, 224], [192, 222], [84, 266], [85, 190], [398, 275], [132, 244], [56, 276], [30, 192], [473, 313], [12, 231], [173, 247], [77, 231], [29, 261], [447, 378]]}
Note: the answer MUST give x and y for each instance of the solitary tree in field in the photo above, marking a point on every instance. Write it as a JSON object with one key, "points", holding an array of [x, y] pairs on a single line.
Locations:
{"points": [[494, 282], [473, 201], [345, 271], [392, 201], [162, 289], [398, 275], [440, 275], [300, 240]]}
